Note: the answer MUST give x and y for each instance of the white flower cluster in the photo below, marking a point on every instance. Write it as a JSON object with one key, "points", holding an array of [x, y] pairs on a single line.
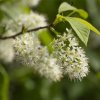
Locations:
{"points": [[29, 21], [29, 52], [49, 68], [28, 49], [30, 2], [70, 56]]}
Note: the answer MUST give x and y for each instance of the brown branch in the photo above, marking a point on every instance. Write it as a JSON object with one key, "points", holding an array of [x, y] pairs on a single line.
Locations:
{"points": [[30, 30]]}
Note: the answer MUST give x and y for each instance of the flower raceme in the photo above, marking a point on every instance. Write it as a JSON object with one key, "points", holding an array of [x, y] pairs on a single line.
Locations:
{"points": [[29, 21], [28, 49], [30, 52], [70, 56]]}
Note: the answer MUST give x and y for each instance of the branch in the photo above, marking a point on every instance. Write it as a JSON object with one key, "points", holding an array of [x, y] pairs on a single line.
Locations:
{"points": [[30, 30]]}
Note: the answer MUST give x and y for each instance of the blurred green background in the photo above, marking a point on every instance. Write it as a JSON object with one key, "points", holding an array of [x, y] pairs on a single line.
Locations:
{"points": [[20, 83]]}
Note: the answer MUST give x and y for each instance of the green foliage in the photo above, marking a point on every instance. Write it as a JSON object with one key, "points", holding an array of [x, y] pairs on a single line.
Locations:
{"points": [[88, 25], [81, 27], [66, 7]]}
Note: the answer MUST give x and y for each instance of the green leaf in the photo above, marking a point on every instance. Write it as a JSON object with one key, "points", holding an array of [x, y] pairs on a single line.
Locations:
{"points": [[91, 27], [46, 38], [80, 29], [82, 13], [80, 26], [66, 7]]}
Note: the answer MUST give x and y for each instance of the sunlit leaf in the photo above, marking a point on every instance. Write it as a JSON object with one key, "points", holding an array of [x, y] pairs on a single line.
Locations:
{"points": [[82, 13], [91, 27], [80, 29], [66, 7]]}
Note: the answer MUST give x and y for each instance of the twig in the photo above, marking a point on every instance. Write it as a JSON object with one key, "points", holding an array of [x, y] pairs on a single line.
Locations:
{"points": [[27, 31]]}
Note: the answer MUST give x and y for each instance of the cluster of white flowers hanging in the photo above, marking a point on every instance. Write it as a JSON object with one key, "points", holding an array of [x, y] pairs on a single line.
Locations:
{"points": [[30, 52], [70, 56], [28, 20], [28, 49]]}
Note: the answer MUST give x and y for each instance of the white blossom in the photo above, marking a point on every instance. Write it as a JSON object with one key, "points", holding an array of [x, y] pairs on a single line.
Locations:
{"points": [[70, 56], [77, 64], [29, 21], [50, 69], [27, 45], [29, 52], [27, 48]]}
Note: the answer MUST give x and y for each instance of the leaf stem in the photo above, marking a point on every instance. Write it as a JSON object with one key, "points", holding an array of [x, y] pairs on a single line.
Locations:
{"points": [[71, 14]]}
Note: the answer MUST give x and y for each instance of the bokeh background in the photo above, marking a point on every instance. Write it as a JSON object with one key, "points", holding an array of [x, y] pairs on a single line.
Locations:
{"points": [[21, 83]]}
